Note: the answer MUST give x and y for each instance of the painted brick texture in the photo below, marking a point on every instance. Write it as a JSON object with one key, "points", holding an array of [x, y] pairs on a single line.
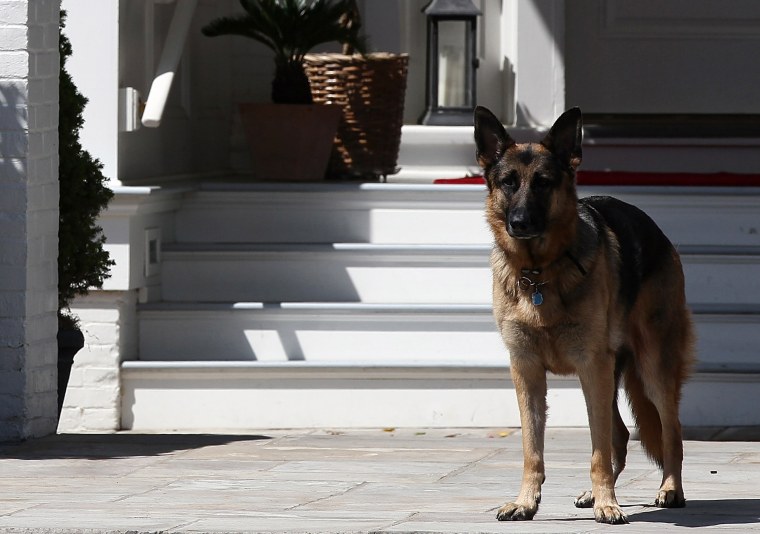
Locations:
{"points": [[93, 396], [28, 217]]}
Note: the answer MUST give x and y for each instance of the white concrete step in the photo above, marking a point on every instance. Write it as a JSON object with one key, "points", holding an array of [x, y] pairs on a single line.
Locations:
{"points": [[319, 332], [202, 396], [342, 272], [725, 275], [230, 396], [728, 337], [333, 213], [383, 345], [434, 214], [371, 273], [381, 334]]}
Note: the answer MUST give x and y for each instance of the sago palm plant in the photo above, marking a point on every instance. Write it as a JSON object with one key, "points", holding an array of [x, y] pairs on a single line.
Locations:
{"points": [[291, 28]]}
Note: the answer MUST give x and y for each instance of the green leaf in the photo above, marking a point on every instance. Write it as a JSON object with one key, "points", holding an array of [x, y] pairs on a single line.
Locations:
{"points": [[290, 28]]}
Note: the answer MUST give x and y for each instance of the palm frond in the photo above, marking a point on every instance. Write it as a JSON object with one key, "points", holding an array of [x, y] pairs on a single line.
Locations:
{"points": [[242, 25], [291, 28]]}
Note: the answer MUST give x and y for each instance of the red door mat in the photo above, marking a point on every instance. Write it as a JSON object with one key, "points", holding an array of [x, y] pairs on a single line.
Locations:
{"points": [[717, 179]]}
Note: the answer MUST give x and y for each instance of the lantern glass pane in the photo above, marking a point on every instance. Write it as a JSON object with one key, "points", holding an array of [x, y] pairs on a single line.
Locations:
{"points": [[452, 73]]}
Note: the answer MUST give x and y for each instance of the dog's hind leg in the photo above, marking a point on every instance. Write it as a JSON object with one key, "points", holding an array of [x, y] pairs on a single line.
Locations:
{"points": [[664, 369], [655, 406], [671, 494], [679, 346], [663, 339]]}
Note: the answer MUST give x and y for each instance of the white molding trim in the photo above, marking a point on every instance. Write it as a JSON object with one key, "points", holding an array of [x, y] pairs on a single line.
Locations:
{"points": [[623, 19]]}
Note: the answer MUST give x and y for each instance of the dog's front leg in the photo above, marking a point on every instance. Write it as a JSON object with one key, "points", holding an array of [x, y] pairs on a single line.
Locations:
{"points": [[530, 385], [598, 383]]}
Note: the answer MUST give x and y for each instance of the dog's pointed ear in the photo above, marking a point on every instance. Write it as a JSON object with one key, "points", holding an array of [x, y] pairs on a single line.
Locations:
{"points": [[566, 136], [491, 139]]}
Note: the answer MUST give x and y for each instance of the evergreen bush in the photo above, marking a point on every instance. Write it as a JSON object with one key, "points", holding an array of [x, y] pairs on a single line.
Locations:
{"points": [[82, 261]]}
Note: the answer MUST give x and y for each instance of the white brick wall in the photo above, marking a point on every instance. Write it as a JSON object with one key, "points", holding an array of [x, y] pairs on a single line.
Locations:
{"points": [[109, 317], [28, 216], [93, 396]]}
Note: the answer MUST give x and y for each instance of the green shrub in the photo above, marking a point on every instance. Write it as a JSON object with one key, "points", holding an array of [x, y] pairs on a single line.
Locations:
{"points": [[82, 261]]}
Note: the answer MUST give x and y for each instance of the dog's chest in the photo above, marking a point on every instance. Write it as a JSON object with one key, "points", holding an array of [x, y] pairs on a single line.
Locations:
{"points": [[559, 347]]}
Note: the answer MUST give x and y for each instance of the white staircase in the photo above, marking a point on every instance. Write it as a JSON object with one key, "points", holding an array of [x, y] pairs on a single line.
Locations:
{"points": [[369, 305]]}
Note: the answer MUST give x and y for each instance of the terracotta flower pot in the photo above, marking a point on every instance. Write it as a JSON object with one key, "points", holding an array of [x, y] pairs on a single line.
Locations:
{"points": [[290, 142]]}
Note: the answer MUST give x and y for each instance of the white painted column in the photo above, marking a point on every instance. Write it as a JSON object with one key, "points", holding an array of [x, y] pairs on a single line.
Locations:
{"points": [[533, 43], [28, 217], [94, 68]]}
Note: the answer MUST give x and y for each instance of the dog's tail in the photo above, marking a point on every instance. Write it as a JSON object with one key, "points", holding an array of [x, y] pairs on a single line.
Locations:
{"points": [[645, 414]]}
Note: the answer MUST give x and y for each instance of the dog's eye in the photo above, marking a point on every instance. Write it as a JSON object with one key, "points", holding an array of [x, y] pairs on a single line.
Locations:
{"points": [[541, 182], [510, 180]]}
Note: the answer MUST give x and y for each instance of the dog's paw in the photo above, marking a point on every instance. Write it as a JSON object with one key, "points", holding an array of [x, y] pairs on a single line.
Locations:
{"points": [[670, 499], [584, 500], [611, 514], [516, 512]]}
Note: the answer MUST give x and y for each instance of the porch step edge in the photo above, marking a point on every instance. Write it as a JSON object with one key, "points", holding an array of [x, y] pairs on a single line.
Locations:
{"points": [[724, 371], [479, 249], [701, 309]]}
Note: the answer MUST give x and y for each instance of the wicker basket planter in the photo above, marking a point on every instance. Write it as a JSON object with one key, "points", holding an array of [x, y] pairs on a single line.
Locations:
{"points": [[370, 89]]}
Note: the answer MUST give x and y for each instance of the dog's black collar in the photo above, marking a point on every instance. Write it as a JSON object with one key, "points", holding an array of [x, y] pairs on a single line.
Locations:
{"points": [[526, 281], [535, 271], [576, 262]]}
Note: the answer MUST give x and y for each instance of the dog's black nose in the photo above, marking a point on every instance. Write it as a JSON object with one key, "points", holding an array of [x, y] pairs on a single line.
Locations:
{"points": [[519, 223]]}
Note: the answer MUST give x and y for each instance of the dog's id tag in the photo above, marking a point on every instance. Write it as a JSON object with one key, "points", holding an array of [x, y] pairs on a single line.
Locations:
{"points": [[537, 297]]}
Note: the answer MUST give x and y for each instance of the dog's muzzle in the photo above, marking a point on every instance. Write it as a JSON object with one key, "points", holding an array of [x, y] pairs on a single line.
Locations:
{"points": [[520, 225]]}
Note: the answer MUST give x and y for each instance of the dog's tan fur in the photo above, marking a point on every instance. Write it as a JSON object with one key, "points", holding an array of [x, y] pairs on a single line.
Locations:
{"points": [[582, 327]]}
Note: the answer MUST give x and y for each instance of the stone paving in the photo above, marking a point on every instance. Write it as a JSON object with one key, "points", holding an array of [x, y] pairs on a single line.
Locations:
{"points": [[336, 481]]}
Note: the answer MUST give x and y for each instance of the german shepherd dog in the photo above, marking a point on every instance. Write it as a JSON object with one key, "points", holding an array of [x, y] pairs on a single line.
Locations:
{"points": [[589, 287]]}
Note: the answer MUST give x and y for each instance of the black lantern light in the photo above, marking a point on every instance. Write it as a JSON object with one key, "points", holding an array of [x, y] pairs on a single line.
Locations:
{"points": [[451, 62]]}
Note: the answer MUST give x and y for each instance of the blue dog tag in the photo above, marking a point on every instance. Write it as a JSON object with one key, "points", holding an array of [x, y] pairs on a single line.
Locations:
{"points": [[538, 298]]}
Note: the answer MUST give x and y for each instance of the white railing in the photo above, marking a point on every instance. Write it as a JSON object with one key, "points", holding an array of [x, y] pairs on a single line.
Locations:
{"points": [[167, 65]]}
